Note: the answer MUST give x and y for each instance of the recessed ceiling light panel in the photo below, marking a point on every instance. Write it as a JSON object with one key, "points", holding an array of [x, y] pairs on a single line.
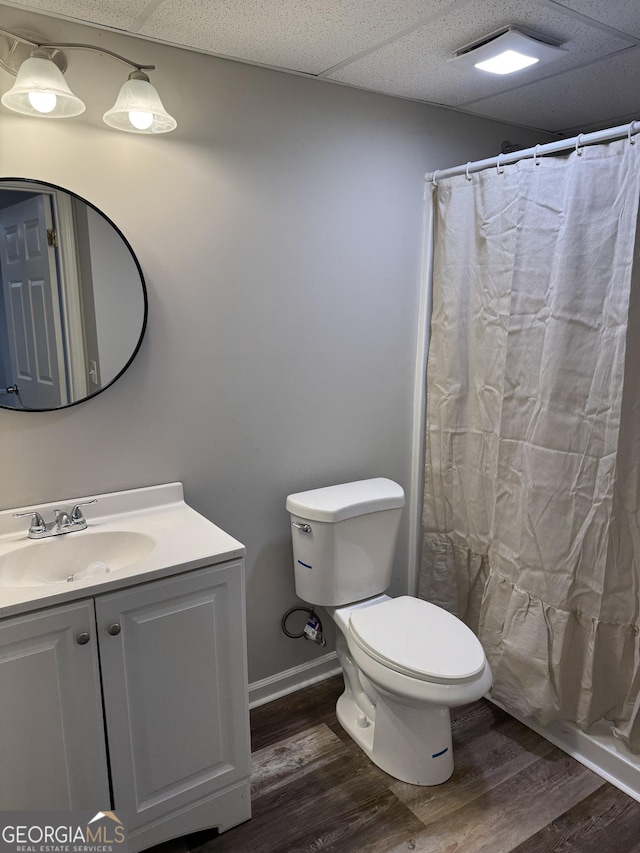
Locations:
{"points": [[507, 51], [507, 62]]}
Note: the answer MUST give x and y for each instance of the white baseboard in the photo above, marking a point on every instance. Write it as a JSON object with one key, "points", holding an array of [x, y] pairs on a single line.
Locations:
{"points": [[598, 750], [282, 683]]}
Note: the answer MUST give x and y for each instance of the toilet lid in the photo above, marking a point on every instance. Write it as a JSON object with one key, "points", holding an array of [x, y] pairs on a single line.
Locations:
{"points": [[418, 639]]}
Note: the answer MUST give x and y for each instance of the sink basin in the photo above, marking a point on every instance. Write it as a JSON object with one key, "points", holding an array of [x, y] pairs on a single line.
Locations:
{"points": [[72, 557]]}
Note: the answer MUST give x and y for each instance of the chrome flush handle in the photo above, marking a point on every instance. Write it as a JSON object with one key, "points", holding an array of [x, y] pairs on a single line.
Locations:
{"points": [[303, 528]]}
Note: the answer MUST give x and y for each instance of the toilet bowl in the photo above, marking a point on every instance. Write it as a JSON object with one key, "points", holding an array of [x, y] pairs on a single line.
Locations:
{"points": [[405, 661], [405, 664]]}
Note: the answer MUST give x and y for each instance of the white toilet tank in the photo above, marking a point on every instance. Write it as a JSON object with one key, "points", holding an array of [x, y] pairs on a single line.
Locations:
{"points": [[344, 538]]}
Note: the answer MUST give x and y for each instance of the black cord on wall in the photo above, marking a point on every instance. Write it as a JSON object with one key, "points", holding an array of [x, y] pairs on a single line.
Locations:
{"points": [[312, 629]]}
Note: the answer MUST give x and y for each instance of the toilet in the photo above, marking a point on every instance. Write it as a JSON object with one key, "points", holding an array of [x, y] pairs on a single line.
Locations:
{"points": [[405, 661]]}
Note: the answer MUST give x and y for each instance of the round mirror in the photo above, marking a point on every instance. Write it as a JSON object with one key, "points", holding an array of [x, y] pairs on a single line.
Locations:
{"points": [[73, 307]]}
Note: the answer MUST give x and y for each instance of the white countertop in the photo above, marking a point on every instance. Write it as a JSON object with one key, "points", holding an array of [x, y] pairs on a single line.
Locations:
{"points": [[184, 540]]}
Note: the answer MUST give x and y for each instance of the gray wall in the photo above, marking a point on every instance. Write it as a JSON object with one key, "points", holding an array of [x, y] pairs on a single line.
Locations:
{"points": [[279, 230], [118, 302]]}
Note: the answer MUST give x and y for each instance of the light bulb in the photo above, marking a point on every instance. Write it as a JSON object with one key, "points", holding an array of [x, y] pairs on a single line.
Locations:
{"points": [[141, 119], [507, 62], [43, 102]]}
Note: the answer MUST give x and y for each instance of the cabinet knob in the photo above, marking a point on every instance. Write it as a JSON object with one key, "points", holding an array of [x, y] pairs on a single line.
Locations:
{"points": [[114, 629], [83, 638]]}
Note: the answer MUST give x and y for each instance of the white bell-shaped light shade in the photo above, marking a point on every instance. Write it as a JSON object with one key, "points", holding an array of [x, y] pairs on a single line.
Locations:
{"points": [[138, 108], [41, 90]]}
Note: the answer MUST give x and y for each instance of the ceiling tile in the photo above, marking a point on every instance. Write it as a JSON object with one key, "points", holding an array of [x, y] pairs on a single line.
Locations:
{"points": [[401, 47], [538, 105], [121, 14], [621, 14], [415, 66], [300, 35]]}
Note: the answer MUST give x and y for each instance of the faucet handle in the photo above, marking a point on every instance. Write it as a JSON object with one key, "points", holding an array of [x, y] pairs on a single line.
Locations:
{"points": [[77, 516], [37, 521]]}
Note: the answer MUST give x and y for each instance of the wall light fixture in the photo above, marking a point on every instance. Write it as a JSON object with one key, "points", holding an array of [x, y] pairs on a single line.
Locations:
{"points": [[507, 50], [41, 90]]}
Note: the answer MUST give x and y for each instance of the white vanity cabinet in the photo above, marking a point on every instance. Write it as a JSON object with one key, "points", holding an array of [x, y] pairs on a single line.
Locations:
{"points": [[154, 674]]}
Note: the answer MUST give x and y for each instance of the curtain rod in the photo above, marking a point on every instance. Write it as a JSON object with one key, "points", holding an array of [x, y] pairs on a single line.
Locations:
{"points": [[576, 142]]}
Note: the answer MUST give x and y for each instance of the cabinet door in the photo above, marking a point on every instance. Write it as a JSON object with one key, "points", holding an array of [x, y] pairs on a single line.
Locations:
{"points": [[51, 726], [175, 690]]}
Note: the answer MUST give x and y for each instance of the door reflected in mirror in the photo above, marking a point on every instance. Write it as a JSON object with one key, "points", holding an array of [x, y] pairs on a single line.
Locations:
{"points": [[74, 303]]}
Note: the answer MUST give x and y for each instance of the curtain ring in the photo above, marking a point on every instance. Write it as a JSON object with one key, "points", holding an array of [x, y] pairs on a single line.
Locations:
{"points": [[536, 155], [466, 172], [578, 149], [434, 179], [498, 166], [632, 139]]}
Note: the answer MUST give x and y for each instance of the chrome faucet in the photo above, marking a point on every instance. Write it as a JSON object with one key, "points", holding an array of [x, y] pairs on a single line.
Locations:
{"points": [[64, 522]]}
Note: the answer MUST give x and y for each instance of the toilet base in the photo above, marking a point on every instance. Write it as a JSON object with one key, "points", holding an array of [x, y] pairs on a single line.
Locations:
{"points": [[411, 742]]}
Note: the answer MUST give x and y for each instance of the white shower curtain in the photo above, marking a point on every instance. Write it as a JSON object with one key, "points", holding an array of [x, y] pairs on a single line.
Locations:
{"points": [[531, 509]]}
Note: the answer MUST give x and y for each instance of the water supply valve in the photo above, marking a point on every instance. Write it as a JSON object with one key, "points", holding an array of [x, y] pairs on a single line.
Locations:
{"points": [[312, 629]]}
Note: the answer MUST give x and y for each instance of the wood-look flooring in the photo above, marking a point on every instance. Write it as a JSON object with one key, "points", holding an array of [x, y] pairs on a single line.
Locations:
{"points": [[314, 791]]}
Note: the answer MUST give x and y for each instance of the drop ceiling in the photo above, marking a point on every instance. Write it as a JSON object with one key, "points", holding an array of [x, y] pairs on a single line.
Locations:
{"points": [[404, 48]]}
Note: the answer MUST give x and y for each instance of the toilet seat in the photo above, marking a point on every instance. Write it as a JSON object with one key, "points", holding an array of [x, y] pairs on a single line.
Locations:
{"points": [[418, 639]]}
